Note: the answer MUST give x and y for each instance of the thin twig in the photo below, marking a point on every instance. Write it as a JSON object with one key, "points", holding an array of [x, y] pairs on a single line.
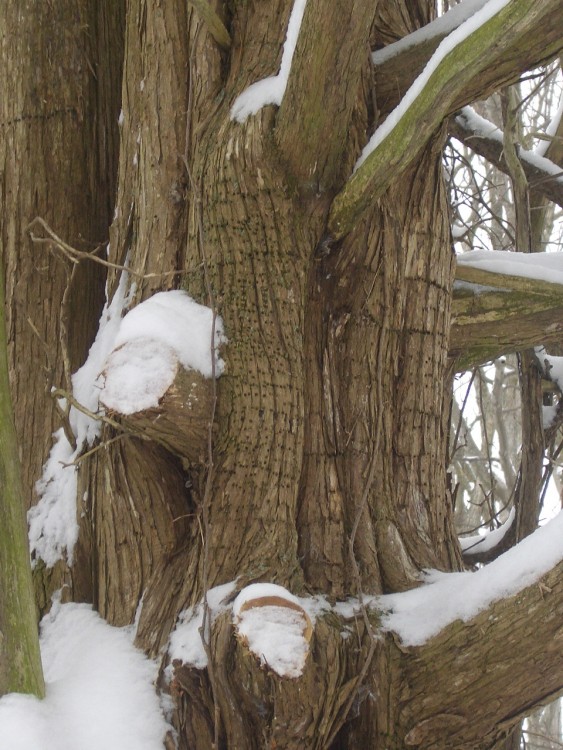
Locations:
{"points": [[63, 320], [100, 446], [61, 393], [74, 255]]}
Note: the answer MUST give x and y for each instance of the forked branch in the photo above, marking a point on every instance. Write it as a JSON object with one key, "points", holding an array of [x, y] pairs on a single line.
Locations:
{"points": [[484, 139]]}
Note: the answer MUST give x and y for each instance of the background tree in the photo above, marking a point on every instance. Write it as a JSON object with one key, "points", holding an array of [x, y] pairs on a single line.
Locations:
{"points": [[325, 466]]}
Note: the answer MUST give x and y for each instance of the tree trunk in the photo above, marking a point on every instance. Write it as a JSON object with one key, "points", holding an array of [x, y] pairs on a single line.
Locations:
{"points": [[321, 462], [20, 662]]}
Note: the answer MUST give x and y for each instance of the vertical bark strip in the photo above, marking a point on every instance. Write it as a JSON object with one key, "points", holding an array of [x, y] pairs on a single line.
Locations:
{"points": [[381, 367], [59, 72], [20, 661]]}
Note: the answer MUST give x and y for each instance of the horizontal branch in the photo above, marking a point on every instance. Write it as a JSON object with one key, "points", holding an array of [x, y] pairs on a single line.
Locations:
{"points": [[542, 174], [495, 314], [494, 52], [469, 684]]}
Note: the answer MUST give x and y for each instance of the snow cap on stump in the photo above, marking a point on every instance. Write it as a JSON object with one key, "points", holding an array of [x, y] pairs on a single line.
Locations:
{"points": [[167, 330], [273, 625]]}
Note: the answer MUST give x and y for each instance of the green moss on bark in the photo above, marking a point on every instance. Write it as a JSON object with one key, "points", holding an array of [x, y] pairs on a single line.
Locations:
{"points": [[20, 661]]}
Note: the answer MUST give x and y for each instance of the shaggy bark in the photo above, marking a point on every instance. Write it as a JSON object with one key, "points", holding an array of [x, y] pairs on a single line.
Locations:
{"points": [[58, 159], [327, 463]]}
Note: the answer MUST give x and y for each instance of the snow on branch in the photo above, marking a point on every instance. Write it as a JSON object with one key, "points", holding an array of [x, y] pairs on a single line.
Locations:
{"points": [[420, 614], [460, 68], [269, 621], [271, 90], [543, 267], [475, 544], [483, 137], [437, 29], [167, 330], [274, 626], [156, 379], [504, 302]]}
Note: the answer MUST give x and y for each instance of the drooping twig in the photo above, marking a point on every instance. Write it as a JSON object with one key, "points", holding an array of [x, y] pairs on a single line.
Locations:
{"points": [[74, 255]]}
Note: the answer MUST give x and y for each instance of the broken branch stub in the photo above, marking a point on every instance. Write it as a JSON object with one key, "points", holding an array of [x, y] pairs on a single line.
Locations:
{"points": [[149, 392]]}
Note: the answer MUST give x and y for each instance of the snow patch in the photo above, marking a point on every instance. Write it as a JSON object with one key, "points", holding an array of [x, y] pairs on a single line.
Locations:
{"points": [[176, 320], [274, 624], [477, 543], [185, 642], [53, 526], [275, 635], [271, 90], [540, 266], [99, 690], [260, 591], [137, 374], [167, 329]]}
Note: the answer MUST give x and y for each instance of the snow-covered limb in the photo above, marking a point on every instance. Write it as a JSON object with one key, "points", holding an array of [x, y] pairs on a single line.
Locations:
{"points": [[486, 139], [523, 589], [504, 302], [432, 32], [477, 543], [468, 64], [442, 627], [398, 64]]}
